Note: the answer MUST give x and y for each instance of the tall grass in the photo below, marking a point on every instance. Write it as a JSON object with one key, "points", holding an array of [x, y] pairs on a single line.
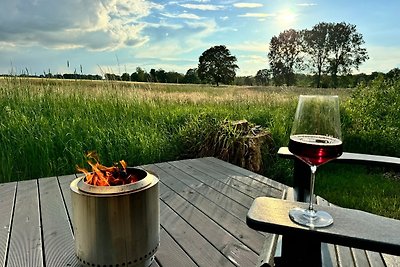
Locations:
{"points": [[47, 126]]}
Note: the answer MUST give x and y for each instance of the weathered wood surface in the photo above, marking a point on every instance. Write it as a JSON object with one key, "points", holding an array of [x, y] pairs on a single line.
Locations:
{"points": [[344, 256], [203, 207], [350, 228]]}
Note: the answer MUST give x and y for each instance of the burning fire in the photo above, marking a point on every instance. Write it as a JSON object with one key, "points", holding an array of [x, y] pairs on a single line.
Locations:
{"points": [[106, 176]]}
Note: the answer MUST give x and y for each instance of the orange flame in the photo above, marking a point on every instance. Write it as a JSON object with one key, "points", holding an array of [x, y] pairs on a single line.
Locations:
{"points": [[106, 176]]}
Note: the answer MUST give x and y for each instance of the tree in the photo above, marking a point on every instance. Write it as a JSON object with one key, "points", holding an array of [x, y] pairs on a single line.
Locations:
{"points": [[174, 77], [217, 65], [125, 77], [346, 51], [160, 76], [316, 46], [263, 77], [153, 76], [285, 56], [191, 76]]}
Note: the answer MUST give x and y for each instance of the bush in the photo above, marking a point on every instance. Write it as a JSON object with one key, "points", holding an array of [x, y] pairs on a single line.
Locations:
{"points": [[372, 121]]}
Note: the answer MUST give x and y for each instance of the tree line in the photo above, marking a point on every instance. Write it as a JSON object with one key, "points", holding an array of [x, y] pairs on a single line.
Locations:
{"points": [[323, 56], [327, 49]]}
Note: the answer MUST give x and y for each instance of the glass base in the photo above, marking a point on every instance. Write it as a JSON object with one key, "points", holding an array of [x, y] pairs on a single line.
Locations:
{"points": [[310, 218]]}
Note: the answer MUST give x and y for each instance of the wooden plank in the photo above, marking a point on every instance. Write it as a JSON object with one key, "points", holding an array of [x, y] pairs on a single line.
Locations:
{"points": [[391, 261], [57, 231], [190, 186], [243, 183], [7, 201], [344, 256], [328, 251], [154, 264], [195, 245], [254, 176], [170, 253], [230, 246], [64, 182], [359, 257], [375, 259], [222, 185], [233, 224], [25, 241]]}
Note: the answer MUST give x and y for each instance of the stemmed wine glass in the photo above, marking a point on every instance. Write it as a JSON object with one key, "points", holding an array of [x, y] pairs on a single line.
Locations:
{"points": [[315, 139]]}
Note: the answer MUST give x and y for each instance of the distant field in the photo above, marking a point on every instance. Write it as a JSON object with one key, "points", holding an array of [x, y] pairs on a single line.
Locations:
{"points": [[47, 125]]}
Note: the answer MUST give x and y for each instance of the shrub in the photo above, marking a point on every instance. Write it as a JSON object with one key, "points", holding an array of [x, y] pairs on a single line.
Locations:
{"points": [[372, 121]]}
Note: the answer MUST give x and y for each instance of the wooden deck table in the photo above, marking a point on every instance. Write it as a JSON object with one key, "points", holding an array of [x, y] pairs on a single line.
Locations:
{"points": [[203, 207]]}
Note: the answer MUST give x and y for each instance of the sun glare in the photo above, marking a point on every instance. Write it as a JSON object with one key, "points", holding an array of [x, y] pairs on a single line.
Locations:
{"points": [[286, 17]]}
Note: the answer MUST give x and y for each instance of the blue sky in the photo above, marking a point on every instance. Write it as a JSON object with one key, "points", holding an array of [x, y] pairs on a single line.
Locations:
{"points": [[117, 36]]}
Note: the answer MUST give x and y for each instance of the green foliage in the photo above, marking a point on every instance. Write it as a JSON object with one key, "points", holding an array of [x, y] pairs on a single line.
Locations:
{"points": [[328, 48], [372, 121], [285, 56], [217, 65]]}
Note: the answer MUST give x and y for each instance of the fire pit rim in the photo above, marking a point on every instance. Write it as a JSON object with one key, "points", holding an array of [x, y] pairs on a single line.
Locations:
{"points": [[145, 180]]}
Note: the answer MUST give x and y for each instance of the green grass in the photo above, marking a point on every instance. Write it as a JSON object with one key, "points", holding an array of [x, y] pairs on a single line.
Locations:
{"points": [[360, 188], [47, 126]]}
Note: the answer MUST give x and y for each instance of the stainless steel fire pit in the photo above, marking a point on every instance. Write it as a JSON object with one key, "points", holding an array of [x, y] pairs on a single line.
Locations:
{"points": [[116, 225]]}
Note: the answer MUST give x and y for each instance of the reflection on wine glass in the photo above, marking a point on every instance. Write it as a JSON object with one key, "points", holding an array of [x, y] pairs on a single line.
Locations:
{"points": [[315, 139]]}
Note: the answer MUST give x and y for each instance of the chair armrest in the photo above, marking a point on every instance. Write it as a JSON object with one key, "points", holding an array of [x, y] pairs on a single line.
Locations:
{"points": [[352, 228]]}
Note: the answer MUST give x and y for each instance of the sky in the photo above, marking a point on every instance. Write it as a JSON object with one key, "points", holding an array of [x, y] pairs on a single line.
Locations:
{"points": [[116, 36]]}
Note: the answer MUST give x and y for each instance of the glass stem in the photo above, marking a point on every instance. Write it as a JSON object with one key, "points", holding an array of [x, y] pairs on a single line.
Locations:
{"points": [[312, 182]]}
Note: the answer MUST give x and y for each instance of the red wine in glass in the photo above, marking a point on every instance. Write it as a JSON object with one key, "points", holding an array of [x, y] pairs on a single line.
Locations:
{"points": [[315, 139], [315, 150]]}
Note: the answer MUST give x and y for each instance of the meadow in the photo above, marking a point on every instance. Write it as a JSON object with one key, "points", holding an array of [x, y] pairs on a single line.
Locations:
{"points": [[47, 126]]}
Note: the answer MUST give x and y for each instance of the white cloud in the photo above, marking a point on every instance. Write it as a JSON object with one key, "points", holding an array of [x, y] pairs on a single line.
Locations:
{"points": [[256, 15], [205, 7], [247, 5], [306, 4], [181, 16], [96, 25], [180, 41]]}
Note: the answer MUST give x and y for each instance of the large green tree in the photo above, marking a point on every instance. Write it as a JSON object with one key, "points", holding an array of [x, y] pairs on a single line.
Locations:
{"points": [[317, 48], [285, 55], [217, 65], [346, 51]]}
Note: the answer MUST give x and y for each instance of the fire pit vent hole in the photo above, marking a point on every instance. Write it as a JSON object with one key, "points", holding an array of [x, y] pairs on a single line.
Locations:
{"points": [[135, 261]]}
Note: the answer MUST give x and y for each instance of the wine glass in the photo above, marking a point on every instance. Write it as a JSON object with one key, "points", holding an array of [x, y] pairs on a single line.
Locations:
{"points": [[315, 139]]}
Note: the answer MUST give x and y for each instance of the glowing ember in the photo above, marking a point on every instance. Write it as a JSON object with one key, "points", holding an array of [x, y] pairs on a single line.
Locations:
{"points": [[106, 176]]}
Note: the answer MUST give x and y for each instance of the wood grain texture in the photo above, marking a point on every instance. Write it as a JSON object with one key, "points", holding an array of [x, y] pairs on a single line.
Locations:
{"points": [[204, 203], [269, 183], [194, 244], [26, 240], [171, 254], [215, 209], [351, 227], [230, 246], [64, 182], [57, 232], [7, 200]]}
